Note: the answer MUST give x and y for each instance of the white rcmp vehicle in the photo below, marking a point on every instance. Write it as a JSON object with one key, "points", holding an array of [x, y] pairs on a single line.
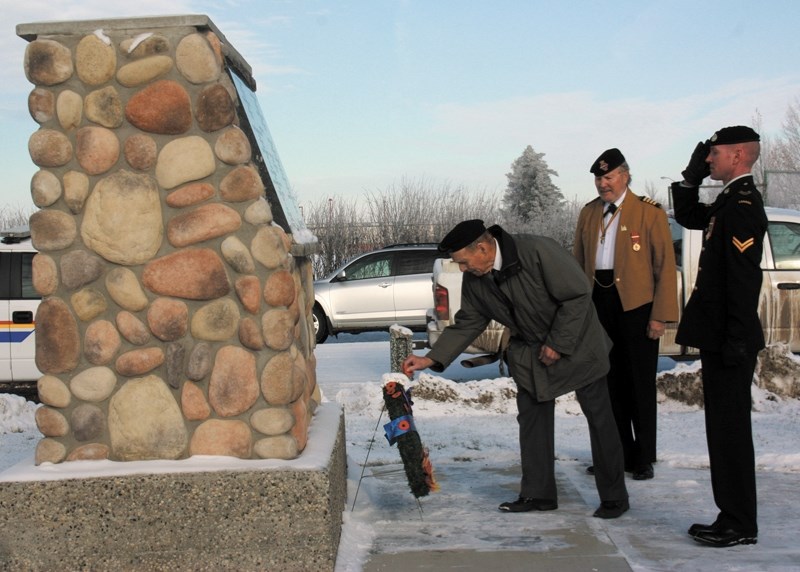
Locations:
{"points": [[779, 306], [17, 308]]}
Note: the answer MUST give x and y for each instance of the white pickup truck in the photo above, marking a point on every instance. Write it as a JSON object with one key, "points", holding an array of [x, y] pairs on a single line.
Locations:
{"points": [[779, 306]]}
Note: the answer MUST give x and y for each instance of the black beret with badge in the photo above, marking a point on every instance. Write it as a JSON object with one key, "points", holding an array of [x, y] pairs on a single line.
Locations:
{"points": [[698, 169], [463, 234], [609, 160], [732, 135]]}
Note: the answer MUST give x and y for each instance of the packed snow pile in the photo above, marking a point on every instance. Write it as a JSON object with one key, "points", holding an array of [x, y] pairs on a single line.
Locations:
{"points": [[777, 377], [17, 415], [682, 384], [492, 396], [778, 371]]}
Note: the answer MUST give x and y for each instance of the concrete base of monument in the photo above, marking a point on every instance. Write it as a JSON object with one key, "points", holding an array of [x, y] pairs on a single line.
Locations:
{"points": [[202, 513]]}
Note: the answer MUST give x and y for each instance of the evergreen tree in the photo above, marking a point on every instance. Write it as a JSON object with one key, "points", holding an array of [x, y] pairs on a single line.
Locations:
{"points": [[531, 195]]}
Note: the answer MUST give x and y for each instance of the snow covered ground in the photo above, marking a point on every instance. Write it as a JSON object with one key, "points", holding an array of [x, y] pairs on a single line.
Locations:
{"points": [[466, 417]]}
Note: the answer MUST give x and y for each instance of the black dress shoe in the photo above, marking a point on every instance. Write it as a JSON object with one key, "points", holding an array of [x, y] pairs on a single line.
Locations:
{"points": [[643, 473], [612, 509], [590, 469], [697, 527], [724, 537], [524, 504]]}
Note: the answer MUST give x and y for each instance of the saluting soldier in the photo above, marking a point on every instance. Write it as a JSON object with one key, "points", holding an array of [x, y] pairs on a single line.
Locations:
{"points": [[624, 245], [721, 320]]}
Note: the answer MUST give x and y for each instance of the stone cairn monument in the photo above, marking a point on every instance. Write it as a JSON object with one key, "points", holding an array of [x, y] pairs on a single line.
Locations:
{"points": [[176, 284]]}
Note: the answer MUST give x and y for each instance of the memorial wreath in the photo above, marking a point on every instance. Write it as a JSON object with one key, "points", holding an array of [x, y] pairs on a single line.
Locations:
{"points": [[401, 431]]}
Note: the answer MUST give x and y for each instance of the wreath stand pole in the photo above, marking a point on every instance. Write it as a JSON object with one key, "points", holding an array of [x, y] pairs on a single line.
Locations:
{"points": [[364, 466]]}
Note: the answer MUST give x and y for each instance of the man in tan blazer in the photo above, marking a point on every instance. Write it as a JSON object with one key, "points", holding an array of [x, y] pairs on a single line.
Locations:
{"points": [[624, 245]]}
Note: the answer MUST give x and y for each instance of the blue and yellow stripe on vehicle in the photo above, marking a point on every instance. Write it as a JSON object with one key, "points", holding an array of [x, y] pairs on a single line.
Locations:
{"points": [[11, 333]]}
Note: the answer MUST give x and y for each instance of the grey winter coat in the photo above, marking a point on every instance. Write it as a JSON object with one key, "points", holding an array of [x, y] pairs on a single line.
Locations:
{"points": [[542, 294]]}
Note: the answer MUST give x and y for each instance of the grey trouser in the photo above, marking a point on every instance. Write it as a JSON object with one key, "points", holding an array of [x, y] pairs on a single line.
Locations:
{"points": [[536, 437]]}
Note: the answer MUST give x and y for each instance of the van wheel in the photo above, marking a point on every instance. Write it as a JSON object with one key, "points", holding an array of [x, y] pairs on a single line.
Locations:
{"points": [[320, 325]]}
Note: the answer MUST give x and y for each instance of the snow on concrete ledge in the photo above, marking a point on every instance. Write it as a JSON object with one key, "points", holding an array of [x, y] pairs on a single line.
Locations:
{"points": [[322, 436]]}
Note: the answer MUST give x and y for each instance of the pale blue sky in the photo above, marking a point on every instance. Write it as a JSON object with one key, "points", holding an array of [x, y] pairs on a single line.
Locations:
{"points": [[361, 94]]}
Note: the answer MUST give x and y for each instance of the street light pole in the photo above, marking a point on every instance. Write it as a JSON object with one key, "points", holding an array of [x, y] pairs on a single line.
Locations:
{"points": [[669, 189]]}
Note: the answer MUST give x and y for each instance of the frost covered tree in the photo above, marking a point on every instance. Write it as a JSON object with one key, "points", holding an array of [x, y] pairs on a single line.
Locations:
{"points": [[789, 145], [12, 216], [531, 194]]}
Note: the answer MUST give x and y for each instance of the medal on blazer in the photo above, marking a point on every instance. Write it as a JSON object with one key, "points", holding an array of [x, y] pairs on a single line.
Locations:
{"points": [[635, 239]]}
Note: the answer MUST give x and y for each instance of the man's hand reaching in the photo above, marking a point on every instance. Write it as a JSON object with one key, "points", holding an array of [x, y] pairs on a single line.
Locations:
{"points": [[412, 363]]}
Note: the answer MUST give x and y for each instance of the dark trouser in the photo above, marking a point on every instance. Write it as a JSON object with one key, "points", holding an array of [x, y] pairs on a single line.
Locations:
{"points": [[536, 438], [632, 378], [726, 391]]}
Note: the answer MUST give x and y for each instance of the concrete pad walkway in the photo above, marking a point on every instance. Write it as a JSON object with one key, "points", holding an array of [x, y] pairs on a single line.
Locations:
{"points": [[461, 529], [566, 540]]}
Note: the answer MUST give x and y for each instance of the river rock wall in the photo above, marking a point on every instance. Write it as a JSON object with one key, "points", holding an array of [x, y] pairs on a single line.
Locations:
{"points": [[175, 318]]}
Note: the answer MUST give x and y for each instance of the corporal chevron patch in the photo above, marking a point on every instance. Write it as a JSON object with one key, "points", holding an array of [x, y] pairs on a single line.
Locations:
{"points": [[741, 246]]}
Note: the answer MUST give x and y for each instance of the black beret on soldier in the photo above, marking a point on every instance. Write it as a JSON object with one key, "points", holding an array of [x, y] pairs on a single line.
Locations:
{"points": [[607, 162], [463, 234], [735, 134]]}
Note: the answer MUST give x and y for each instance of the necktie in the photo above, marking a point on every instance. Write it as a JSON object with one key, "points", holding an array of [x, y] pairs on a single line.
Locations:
{"points": [[610, 210]]}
